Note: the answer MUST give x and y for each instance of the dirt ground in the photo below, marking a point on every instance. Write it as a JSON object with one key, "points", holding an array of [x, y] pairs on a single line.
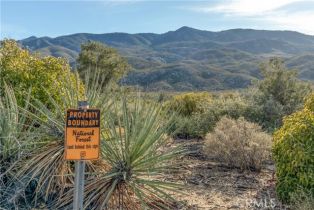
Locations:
{"points": [[212, 185]]}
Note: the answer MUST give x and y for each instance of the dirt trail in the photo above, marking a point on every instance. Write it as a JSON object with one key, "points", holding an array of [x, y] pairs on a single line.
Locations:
{"points": [[211, 185]]}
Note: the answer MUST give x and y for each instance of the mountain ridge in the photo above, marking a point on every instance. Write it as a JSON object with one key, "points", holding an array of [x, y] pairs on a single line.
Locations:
{"points": [[190, 59], [183, 28]]}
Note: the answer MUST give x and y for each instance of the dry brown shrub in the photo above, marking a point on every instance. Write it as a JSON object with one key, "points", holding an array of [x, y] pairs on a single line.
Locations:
{"points": [[238, 143]]}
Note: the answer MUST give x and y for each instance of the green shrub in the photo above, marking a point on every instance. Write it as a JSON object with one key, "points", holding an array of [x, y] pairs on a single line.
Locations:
{"points": [[197, 123], [190, 109], [293, 152], [238, 143], [102, 60], [278, 94], [187, 104], [43, 76], [233, 105], [194, 126]]}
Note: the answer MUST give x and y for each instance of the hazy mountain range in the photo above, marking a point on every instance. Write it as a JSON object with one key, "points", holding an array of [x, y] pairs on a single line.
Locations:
{"points": [[191, 59]]}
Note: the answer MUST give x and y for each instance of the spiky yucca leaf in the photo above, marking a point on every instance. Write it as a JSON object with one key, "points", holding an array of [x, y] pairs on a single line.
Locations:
{"points": [[136, 149], [13, 139], [13, 128]]}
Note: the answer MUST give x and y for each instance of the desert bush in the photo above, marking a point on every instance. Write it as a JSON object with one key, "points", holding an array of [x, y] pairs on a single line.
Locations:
{"points": [[44, 77], [233, 105], [238, 143], [293, 152], [189, 109], [103, 60], [199, 123], [187, 104], [194, 126], [278, 94]]}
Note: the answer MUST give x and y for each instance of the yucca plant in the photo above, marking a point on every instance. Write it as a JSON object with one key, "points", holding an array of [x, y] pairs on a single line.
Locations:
{"points": [[43, 172], [137, 151], [13, 135]]}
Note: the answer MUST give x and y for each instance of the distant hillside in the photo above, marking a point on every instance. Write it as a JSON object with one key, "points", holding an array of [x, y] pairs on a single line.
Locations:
{"points": [[191, 59]]}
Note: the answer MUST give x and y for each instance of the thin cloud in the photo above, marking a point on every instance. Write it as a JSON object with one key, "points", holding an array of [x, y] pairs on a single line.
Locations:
{"points": [[299, 21], [274, 13], [246, 7]]}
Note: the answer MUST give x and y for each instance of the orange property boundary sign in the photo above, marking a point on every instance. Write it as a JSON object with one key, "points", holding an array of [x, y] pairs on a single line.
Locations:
{"points": [[82, 134]]}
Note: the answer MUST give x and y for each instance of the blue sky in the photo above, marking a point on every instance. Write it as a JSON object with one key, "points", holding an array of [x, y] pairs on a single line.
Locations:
{"points": [[24, 18]]}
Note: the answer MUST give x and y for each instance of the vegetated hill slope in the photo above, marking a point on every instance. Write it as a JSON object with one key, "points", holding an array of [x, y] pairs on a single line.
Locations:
{"points": [[191, 59]]}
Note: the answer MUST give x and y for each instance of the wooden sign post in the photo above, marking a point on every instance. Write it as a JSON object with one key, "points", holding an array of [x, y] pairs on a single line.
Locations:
{"points": [[82, 139]]}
